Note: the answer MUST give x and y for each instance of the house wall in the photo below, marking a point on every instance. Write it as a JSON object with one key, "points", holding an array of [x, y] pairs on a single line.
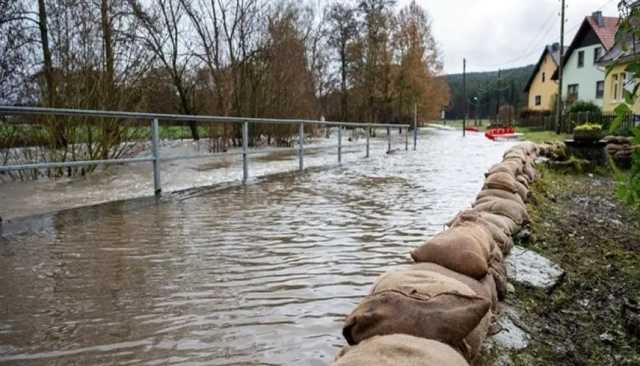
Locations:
{"points": [[586, 77], [610, 103], [547, 90]]}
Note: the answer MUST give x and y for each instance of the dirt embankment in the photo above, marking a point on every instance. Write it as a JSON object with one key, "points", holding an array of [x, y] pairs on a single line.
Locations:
{"points": [[592, 316]]}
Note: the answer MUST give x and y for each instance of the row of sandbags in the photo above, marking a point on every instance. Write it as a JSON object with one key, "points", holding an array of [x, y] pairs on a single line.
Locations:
{"points": [[438, 311]]}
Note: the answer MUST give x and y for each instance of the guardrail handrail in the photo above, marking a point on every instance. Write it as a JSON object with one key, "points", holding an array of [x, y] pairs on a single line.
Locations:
{"points": [[154, 118], [63, 112]]}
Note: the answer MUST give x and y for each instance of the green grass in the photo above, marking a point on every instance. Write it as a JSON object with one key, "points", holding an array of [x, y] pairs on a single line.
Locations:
{"points": [[538, 136]]}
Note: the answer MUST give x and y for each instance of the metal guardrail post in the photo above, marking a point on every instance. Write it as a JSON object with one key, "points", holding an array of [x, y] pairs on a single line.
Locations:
{"points": [[301, 146], [406, 140], [339, 145], [388, 140], [368, 139], [245, 152], [415, 136], [155, 141]]}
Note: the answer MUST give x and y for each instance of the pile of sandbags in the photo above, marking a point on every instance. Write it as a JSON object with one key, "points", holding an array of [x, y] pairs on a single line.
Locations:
{"points": [[439, 310], [621, 150]]}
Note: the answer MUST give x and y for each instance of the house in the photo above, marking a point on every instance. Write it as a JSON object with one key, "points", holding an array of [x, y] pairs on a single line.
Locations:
{"points": [[617, 78], [583, 78], [542, 90]]}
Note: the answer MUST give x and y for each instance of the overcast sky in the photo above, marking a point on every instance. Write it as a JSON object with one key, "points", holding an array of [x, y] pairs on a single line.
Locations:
{"points": [[494, 34]]}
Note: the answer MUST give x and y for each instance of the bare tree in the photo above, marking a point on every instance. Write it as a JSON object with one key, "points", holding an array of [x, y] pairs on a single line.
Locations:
{"points": [[163, 25], [343, 28]]}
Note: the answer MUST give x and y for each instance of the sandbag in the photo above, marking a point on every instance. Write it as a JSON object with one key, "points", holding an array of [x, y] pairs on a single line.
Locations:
{"points": [[511, 167], [503, 181], [530, 172], [500, 194], [508, 226], [522, 179], [522, 191], [513, 210], [485, 288], [498, 271], [500, 238], [477, 336], [399, 350], [463, 249], [420, 303]]}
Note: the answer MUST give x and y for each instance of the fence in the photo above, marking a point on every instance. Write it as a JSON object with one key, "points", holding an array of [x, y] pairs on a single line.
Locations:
{"points": [[571, 120], [156, 158]]}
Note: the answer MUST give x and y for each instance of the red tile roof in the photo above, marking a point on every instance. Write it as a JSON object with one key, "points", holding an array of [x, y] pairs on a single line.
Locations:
{"points": [[606, 33]]}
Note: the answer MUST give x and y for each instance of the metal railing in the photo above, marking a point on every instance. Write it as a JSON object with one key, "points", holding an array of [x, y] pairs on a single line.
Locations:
{"points": [[155, 137]]}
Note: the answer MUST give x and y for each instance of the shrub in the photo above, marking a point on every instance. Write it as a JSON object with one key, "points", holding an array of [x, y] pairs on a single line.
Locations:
{"points": [[581, 107], [588, 131]]}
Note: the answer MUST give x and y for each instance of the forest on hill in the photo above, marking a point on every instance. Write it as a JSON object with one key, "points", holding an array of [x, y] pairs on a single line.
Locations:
{"points": [[488, 89]]}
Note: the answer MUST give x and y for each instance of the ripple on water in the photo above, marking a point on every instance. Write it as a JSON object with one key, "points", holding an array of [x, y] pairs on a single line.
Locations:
{"points": [[255, 275]]}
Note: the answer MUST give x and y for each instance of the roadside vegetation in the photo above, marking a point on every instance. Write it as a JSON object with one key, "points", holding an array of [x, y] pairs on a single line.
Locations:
{"points": [[592, 317], [360, 61]]}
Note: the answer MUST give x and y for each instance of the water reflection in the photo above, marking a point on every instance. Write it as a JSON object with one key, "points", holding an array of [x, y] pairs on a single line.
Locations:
{"points": [[255, 275]]}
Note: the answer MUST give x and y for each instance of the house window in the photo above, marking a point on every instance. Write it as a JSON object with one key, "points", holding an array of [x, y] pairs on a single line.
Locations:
{"points": [[599, 89], [614, 87], [538, 100], [581, 59], [573, 91], [597, 52], [544, 77]]}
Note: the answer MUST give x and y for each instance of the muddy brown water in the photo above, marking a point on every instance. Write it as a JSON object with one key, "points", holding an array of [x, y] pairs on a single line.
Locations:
{"points": [[256, 275]]}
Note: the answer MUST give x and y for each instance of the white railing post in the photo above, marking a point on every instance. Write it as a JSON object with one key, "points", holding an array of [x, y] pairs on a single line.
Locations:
{"points": [[301, 146], [415, 135], [155, 141], [368, 139], [406, 140], [388, 140], [245, 152], [339, 144]]}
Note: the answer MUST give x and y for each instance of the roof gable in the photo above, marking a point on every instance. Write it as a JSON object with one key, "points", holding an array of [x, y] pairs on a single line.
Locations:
{"points": [[551, 50], [606, 34]]}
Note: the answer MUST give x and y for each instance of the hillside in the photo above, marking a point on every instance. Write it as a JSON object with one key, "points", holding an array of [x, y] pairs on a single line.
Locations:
{"points": [[485, 86]]}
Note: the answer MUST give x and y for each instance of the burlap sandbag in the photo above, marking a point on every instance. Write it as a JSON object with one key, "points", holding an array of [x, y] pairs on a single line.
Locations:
{"points": [[476, 338], [511, 167], [530, 172], [522, 191], [503, 181], [485, 288], [463, 249], [399, 350], [498, 271], [500, 238], [498, 193], [508, 226], [523, 180], [420, 303], [513, 210]]}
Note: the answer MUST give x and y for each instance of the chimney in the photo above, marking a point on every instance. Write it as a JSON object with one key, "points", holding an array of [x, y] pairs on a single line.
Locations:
{"points": [[598, 18]]}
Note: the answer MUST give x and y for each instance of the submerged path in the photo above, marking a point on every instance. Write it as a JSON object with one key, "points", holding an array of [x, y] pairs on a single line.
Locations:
{"points": [[254, 275]]}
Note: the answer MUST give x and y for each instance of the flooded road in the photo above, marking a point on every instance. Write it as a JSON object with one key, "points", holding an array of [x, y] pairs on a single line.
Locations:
{"points": [[255, 275]]}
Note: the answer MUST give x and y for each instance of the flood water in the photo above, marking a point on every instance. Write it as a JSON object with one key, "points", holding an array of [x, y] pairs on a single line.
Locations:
{"points": [[255, 275]]}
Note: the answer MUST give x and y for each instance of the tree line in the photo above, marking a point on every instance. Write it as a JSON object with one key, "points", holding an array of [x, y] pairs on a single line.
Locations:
{"points": [[364, 60]]}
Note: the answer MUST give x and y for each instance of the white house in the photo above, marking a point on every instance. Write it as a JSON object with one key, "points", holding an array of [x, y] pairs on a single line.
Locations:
{"points": [[583, 77]]}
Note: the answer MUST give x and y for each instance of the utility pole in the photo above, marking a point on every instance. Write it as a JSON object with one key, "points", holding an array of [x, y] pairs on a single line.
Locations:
{"points": [[560, 73], [464, 89]]}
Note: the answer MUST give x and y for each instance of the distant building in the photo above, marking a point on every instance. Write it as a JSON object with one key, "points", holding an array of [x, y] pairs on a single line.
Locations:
{"points": [[541, 88], [583, 78], [617, 79]]}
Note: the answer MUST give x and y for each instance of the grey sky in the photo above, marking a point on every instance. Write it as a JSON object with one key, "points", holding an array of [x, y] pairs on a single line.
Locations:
{"points": [[494, 34]]}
